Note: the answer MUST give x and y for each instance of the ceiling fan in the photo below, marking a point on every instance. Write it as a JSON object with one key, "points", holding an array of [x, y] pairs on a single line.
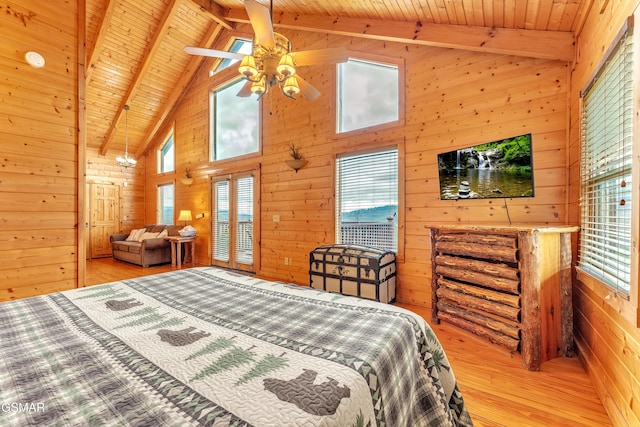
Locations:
{"points": [[272, 63]]}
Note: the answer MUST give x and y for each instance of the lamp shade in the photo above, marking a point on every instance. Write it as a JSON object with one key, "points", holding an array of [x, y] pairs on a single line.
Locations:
{"points": [[185, 215], [290, 86], [285, 67], [248, 67], [260, 86]]}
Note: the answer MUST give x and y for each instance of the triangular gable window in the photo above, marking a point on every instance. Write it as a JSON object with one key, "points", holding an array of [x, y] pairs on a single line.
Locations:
{"points": [[242, 46]]}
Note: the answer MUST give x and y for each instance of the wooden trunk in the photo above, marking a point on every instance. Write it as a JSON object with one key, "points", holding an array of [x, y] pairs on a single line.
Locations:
{"points": [[509, 285], [354, 270]]}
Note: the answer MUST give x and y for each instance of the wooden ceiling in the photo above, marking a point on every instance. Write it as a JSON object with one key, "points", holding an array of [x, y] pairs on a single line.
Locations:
{"points": [[135, 56]]}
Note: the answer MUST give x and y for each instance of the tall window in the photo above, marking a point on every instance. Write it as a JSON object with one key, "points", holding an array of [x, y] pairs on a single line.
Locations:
{"points": [[367, 199], [606, 157], [368, 94], [235, 123], [165, 212], [166, 155]]}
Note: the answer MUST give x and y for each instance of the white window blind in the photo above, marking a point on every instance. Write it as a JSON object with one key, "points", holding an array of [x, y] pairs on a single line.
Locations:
{"points": [[606, 155], [244, 231], [367, 199], [221, 221]]}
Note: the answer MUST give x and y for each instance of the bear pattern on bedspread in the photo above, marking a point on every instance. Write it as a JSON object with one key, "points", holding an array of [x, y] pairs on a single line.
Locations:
{"points": [[204, 346]]}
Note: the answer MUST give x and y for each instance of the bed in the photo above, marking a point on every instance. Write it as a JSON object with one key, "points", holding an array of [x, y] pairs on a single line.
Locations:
{"points": [[206, 346]]}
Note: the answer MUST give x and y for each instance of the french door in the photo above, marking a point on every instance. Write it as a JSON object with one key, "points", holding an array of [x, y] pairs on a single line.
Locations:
{"points": [[235, 221]]}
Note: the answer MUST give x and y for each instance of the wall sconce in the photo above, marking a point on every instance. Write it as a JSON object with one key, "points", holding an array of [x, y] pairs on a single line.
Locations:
{"points": [[187, 179], [296, 162]]}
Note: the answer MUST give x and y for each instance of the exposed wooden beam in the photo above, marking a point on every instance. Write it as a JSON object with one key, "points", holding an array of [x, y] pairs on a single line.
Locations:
{"points": [[214, 12], [178, 90], [159, 35], [95, 50], [530, 43]]}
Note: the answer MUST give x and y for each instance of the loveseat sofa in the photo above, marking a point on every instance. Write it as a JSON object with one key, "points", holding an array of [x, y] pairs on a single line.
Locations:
{"points": [[144, 246]]}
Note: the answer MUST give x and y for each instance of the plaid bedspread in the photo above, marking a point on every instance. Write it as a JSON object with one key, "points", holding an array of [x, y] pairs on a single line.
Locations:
{"points": [[205, 346]]}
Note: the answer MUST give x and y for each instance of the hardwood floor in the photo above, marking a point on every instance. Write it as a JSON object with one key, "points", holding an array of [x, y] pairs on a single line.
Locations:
{"points": [[496, 389]]}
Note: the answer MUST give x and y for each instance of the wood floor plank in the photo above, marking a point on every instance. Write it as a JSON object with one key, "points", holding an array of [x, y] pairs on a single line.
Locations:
{"points": [[496, 389]]}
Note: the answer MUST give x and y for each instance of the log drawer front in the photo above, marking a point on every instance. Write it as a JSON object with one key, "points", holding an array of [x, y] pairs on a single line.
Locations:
{"points": [[354, 270], [511, 286]]}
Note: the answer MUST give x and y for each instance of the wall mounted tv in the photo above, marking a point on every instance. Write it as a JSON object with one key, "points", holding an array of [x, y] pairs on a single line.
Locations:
{"points": [[498, 169]]}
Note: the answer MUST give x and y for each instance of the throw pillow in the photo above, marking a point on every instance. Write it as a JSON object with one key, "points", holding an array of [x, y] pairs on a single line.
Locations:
{"points": [[164, 233], [147, 235], [135, 234]]}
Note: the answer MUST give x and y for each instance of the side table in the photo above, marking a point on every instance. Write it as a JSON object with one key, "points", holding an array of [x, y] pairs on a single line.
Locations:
{"points": [[176, 249]]}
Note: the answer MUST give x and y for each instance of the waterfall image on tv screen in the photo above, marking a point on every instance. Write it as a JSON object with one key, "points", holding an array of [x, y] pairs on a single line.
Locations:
{"points": [[496, 169]]}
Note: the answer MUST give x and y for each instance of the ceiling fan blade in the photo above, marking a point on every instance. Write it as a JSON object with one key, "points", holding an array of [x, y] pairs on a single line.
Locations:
{"points": [[191, 50], [260, 18], [332, 55], [245, 91], [306, 89]]}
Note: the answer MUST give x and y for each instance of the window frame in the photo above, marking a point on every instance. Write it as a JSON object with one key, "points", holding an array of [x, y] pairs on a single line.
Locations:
{"points": [[627, 305], [371, 147], [215, 67], [229, 78], [171, 136], [159, 220], [369, 57], [232, 175]]}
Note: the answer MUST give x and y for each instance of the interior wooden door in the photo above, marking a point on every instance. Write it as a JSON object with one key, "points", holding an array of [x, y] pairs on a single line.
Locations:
{"points": [[104, 217]]}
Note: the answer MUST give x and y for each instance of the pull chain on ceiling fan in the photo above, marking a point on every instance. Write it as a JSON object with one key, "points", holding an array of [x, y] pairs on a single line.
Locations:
{"points": [[272, 62]]}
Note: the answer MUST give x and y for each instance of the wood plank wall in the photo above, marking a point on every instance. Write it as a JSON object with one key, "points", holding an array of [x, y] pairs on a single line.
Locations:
{"points": [[38, 148], [454, 99], [608, 342]]}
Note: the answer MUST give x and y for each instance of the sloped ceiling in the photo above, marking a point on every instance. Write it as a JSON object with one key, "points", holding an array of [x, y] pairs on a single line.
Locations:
{"points": [[135, 56]]}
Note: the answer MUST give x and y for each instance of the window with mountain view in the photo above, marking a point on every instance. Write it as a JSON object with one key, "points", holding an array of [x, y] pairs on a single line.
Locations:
{"points": [[367, 199]]}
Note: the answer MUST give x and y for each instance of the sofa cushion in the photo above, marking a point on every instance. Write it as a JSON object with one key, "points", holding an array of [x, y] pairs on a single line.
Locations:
{"points": [[125, 246], [155, 228]]}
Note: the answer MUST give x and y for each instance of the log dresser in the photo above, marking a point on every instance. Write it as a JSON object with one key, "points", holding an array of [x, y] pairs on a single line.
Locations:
{"points": [[508, 284]]}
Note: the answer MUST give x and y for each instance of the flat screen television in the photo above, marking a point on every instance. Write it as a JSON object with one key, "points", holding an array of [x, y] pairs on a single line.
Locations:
{"points": [[498, 169]]}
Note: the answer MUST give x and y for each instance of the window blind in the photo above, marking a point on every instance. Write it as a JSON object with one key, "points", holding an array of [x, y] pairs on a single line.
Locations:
{"points": [[221, 221], [367, 199], [244, 230], [606, 156]]}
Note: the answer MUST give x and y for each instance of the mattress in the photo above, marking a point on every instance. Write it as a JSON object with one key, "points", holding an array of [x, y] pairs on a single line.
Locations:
{"points": [[206, 346]]}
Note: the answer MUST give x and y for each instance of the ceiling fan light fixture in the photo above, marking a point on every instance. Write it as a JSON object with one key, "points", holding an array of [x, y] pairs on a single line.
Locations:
{"points": [[286, 67], [248, 67], [290, 87], [259, 87]]}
